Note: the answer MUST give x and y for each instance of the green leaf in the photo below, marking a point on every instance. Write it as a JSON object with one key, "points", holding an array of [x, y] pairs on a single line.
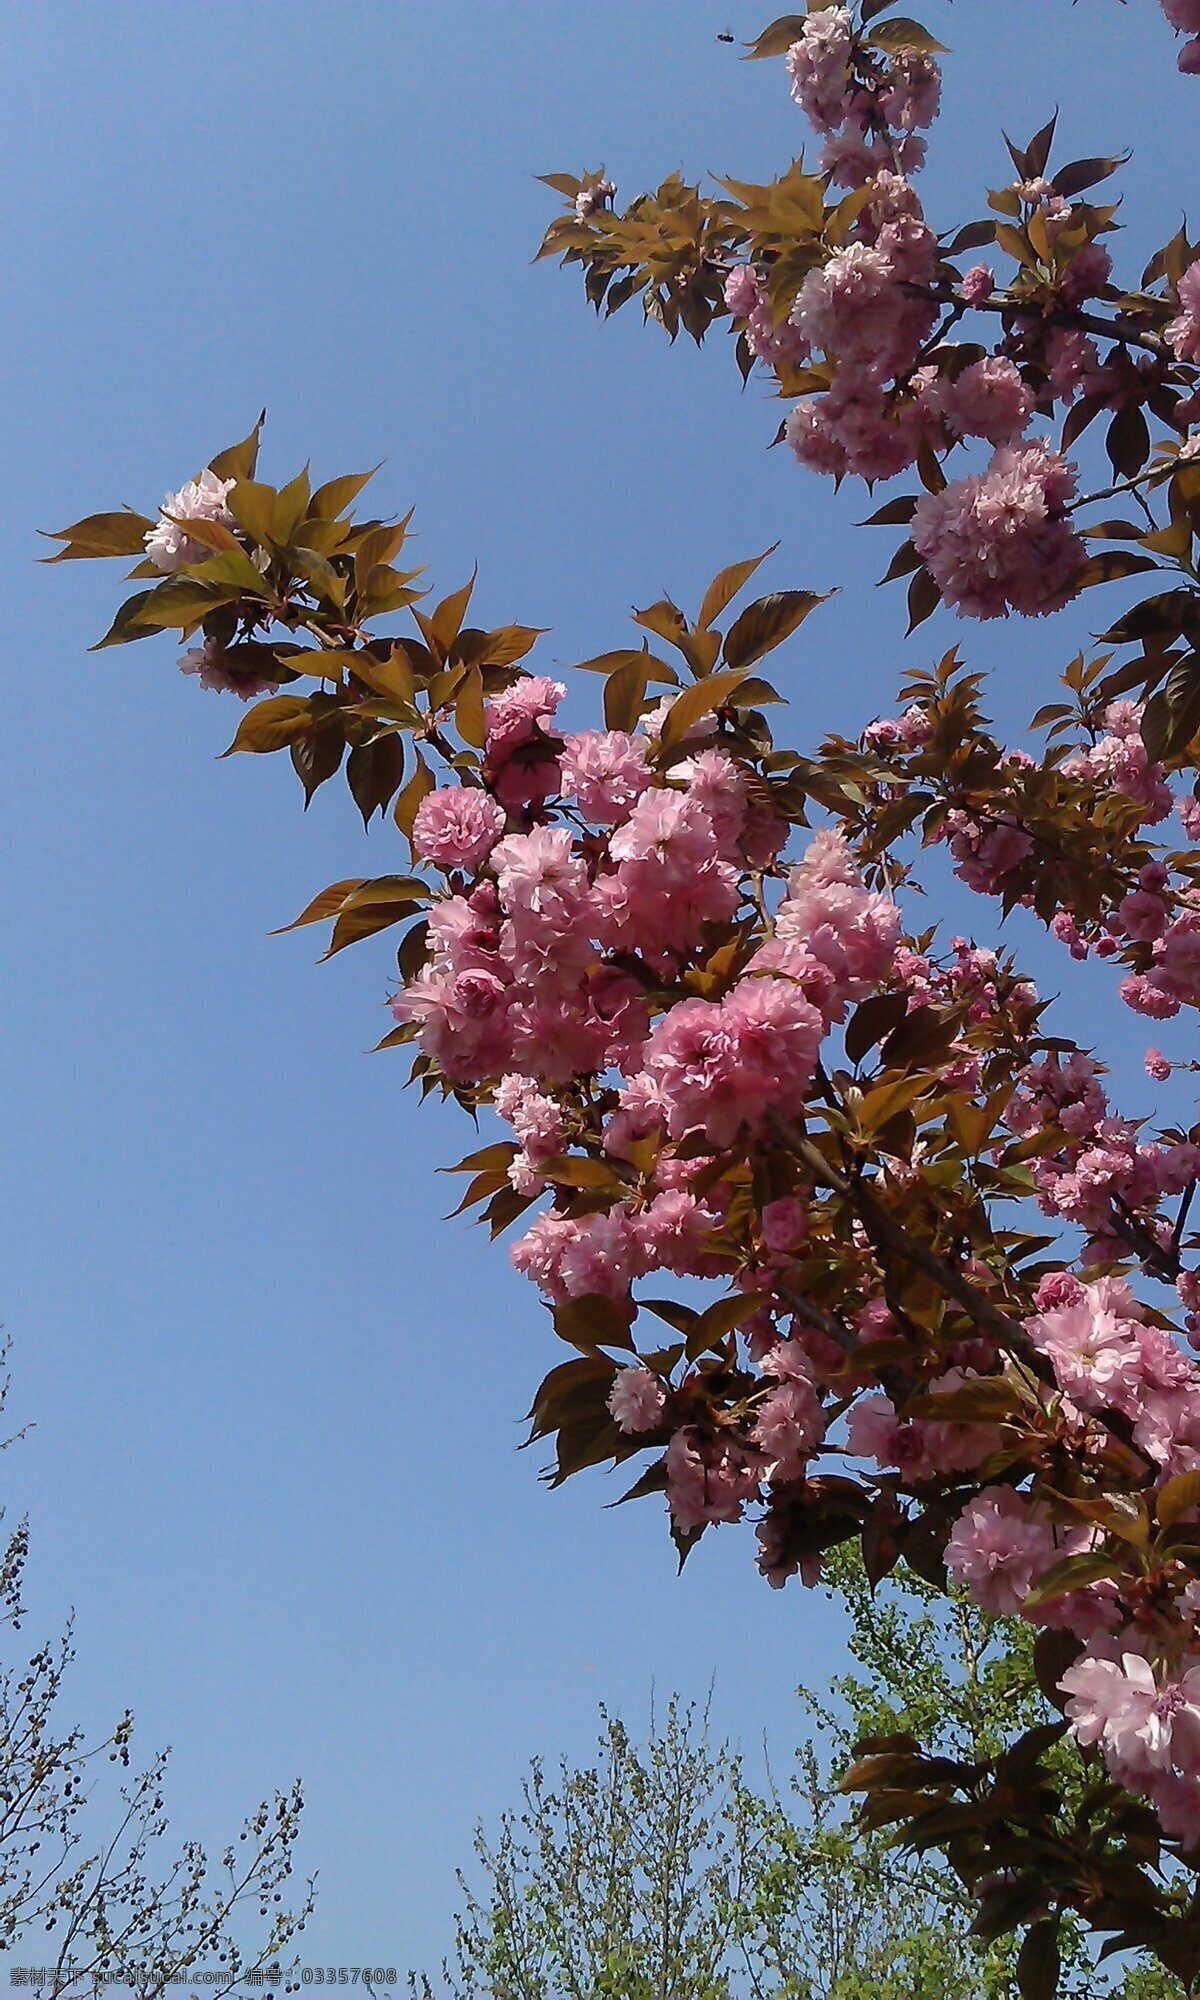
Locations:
{"points": [[375, 907], [872, 1020], [468, 709], [182, 602], [577, 1171], [766, 623], [1039, 1961], [315, 758], [404, 811], [706, 1333], [291, 506], [607, 663], [987, 1401], [624, 692], [374, 772], [1072, 1573]]}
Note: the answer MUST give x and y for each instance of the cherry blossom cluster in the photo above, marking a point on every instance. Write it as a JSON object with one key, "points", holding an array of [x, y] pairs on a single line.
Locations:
{"points": [[868, 108], [1152, 928], [864, 330], [1104, 1175]]}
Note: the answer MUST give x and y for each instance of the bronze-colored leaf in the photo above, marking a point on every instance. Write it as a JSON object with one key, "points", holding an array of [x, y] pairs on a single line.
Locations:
{"points": [[697, 701], [272, 725], [326, 904], [766, 623], [253, 508], [726, 585], [238, 461], [901, 33], [1177, 1497], [122, 534], [778, 38], [335, 496]]}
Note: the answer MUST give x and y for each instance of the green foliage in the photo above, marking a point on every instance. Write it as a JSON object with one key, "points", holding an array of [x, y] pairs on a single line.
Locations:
{"points": [[660, 1869]]}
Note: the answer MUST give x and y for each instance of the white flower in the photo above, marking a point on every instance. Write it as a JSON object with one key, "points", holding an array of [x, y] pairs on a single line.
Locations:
{"points": [[201, 499]]}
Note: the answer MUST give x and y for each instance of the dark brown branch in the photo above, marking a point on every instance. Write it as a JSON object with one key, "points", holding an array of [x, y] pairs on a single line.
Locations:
{"points": [[1068, 316]]}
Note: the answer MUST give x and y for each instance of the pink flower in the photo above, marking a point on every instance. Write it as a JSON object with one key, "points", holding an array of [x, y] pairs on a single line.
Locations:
{"points": [[856, 310], [605, 771], [977, 285], [511, 717], [783, 1223], [457, 826], [1156, 1066], [707, 1481], [717, 1067], [1184, 333], [789, 1425], [570, 1258], [874, 1431], [849, 930], [636, 1401], [1146, 1724], [996, 540], [168, 546], [998, 1549], [1093, 1353], [674, 1233], [988, 400], [718, 785], [741, 291], [818, 65], [914, 87], [217, 669]]}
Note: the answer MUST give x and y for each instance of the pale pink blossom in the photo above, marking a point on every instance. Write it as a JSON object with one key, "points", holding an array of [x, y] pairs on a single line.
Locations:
{"points": [[707, 1480], [977, 285], [998, 1549], [1183, 333], [636, 1401], [987, 400], [997, 541], [217, 669], [457, 826], [605, 771], [168, 546]]}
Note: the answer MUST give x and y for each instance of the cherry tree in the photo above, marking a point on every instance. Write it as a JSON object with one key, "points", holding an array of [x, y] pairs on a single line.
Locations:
{"points": [[940, 1295]]}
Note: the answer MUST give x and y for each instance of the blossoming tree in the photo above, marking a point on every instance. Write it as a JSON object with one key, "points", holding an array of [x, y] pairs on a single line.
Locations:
{"points": [[940, 1294]]}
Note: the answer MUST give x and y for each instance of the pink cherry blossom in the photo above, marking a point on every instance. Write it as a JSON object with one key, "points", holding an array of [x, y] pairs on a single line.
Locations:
{"points": [[168, 546], [998, 1549], [996, 541], [217, 669], [457, 826], [636, 1400]]}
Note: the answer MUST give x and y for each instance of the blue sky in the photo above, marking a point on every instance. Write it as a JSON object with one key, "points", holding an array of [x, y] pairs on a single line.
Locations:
{"points": [[276, 1397]]}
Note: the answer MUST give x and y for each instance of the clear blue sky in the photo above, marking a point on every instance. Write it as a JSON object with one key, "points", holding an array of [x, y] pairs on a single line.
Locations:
{"points": [[277, 1398]]}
